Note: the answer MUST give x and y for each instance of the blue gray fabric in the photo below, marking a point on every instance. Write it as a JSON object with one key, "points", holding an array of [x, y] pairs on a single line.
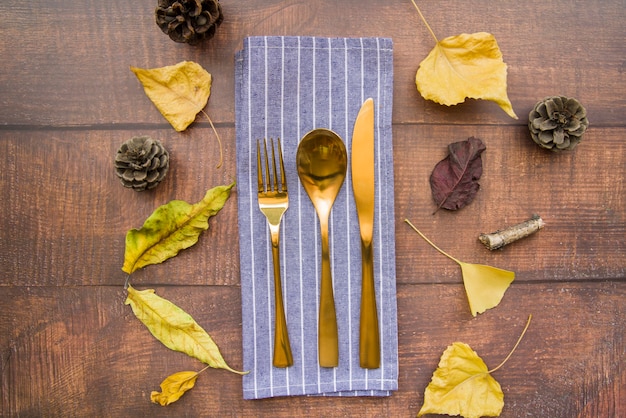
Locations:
{"points": [[285, 87]]}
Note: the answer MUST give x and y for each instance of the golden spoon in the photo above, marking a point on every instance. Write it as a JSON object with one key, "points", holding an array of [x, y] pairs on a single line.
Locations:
{"points": [[322, 162]]}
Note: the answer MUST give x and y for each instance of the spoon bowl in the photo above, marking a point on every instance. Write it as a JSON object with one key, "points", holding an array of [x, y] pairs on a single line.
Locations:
{"points": [[322, 163]]}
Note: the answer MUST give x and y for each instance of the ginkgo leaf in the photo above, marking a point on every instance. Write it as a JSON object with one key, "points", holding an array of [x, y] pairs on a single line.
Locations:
{"points": [[172, 227], [179, 91], [462, 385], [484, 285], [173, 387], [175, 328], [463, 66]]}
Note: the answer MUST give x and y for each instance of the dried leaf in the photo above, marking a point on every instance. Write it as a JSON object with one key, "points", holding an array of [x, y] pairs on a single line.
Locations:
{"points": [[175, 328], [173, 387], [171, 228], [484, 285], [454, 180], [179, 91], [462, 385], [463, 66]]}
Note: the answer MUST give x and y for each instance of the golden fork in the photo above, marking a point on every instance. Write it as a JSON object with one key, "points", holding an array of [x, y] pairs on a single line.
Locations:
{"points": [[273, 202]]}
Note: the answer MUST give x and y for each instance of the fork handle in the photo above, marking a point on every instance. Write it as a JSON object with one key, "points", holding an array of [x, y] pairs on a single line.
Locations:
{"points": [[282, 348]]}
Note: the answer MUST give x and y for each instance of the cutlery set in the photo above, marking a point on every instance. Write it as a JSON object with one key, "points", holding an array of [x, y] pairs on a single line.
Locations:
{"points": [[322, 162]]}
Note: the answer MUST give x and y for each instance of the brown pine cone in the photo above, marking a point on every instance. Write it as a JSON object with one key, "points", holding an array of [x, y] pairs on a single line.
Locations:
{"points": [[558, 123], [141, 163], [189, 21]]}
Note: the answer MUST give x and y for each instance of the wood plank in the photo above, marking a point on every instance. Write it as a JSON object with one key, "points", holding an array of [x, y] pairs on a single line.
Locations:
{"points": [[549, 48], [78, 351], [66, 214], [579, 195]]}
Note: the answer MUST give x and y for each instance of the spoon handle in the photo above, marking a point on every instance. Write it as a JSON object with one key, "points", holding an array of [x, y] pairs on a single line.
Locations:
{"points": [[328, 340]]}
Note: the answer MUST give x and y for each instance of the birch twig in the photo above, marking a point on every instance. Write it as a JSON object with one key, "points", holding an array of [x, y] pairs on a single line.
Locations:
{"points": [[499, 239]]}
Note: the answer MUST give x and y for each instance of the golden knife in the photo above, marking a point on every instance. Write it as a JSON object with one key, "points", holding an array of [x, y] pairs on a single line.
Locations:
{"points": [[363, 185]]}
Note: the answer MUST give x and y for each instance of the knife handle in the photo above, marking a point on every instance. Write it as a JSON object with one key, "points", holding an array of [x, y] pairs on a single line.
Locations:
{"points": [[369, 340]]}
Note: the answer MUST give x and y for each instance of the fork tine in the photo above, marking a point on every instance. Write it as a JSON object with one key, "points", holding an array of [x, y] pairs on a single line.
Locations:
{"points": [[283, 178], [268, 182], [259, 170], [274, 166]]}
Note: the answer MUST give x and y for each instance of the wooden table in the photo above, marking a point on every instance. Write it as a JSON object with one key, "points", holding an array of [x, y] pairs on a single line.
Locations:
{"points": [[69, 345]]}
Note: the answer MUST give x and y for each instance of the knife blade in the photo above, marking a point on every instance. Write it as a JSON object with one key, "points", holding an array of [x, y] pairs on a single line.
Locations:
{"points": [[364, 193]]}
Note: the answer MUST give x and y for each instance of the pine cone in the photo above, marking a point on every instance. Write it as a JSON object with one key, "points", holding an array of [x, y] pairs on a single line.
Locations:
{"points": [[558, 123], [189, 21], [141, 163]]}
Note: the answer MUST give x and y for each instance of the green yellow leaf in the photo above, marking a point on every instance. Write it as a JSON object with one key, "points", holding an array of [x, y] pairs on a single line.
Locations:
{"points": [[175, 328], [484, 285], [179, 91], [462, 385], [171, 228], [465, 66], [173, 387]]}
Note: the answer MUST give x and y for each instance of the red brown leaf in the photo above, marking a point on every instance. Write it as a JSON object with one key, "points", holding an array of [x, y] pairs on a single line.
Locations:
{"points": [[454, 180]]}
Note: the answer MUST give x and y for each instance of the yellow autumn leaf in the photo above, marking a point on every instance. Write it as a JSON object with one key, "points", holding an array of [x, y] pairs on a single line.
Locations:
{"points": [[179, 91], [484, 285], [462, 385], [175, 328], [464, 66], [171, 227], [173, 387]]}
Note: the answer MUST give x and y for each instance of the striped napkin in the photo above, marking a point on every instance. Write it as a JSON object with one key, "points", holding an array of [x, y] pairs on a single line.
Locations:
{"points": [[285, 87]]}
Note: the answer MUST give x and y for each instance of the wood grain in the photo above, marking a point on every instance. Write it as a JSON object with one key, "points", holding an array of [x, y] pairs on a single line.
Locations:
{"points": [[67, 213], [550, 48], [81, 351], [70, 347]]}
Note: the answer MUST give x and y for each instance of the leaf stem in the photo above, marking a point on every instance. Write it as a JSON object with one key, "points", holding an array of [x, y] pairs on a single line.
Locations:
{"points": [[425, 22], [514, 347], [431, 243], [206, 367], [219, 141]]}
